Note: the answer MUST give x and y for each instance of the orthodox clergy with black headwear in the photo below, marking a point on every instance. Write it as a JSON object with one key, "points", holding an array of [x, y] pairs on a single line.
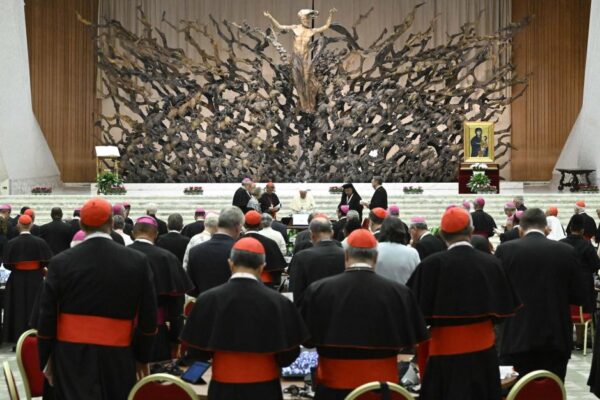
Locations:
{"points": [[171, 284], [96, 295], [462, 293], [248, 330], [351, 199], [359, 321], [25, 256], [275, 262]]}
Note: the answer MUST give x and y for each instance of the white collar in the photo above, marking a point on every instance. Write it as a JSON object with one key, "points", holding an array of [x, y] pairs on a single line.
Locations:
{"points": [[360, 266], [243, 275], [424, 234], [25, 233], [98, 235], [534, 230], [461, 243], [144, 241], [174, 231]]}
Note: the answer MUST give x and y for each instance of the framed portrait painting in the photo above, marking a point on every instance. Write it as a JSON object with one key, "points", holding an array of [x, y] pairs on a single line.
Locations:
{"points": [[479, 141]]}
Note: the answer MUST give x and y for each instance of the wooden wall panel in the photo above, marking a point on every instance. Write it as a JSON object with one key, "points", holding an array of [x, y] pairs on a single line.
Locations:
{"points": [[63, 81], [552, 49]]}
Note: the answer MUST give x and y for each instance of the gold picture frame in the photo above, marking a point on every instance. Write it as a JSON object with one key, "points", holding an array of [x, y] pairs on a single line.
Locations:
{"points": [[481, 150]]}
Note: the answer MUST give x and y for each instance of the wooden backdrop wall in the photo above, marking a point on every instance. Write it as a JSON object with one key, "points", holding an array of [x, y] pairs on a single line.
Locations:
{"points": [[63, 81], [553, 50]]}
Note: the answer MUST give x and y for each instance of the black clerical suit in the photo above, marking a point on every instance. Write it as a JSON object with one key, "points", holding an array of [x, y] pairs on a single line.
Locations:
{"points": [[483, 223], [546, 276], [589, 263], [379, 199], [207, 264], [194, 228], [174, 242], [57, 234], [250, 332], [241, 199], [512, 234], [267, 201], [428, 245], [117, 238], [323, 260], [462, 292], [25, 256], [302, 242], [162, 225], [589, 227], [171, 284], [359, 321], [94, 297]]}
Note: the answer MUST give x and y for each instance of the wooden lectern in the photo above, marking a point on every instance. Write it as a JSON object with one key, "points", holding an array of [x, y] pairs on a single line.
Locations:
{"points": [[105, 155]]}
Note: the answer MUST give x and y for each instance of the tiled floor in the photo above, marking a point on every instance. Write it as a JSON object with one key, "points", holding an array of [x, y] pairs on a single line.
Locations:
{"points": [[576, 386]]}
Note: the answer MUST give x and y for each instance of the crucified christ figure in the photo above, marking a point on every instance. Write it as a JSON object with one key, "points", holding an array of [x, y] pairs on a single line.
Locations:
{"points": [[302, 70]]}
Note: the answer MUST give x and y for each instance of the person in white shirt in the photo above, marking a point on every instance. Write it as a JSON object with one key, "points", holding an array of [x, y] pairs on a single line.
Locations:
{"points": [[557, 232], [119, 224], [303, 202], [210, 227], [267, 231], [395, 261]]}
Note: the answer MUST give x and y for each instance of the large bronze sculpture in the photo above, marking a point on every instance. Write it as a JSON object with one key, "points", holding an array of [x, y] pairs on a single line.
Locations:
{"points": [[393, 108]]}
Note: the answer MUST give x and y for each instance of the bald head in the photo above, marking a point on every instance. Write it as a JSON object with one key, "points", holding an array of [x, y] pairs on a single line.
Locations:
{"points": [[320, 229]]}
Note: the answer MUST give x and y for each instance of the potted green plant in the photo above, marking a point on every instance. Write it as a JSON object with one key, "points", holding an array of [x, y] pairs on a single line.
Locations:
{"points": [[110, 183], [479, 183]]}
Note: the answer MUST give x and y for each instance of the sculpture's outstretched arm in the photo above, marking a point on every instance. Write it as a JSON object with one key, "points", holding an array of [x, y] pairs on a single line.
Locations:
{"points": [[276, 24], [328, 23]]}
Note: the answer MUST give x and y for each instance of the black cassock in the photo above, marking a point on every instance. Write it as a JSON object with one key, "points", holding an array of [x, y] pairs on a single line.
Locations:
{"points": [[194, 228], [509, 235], [274, 261], [462, 292], [359, 321], [589, 263], [58, 235], [207, 264], [92, 297], [171, 283], [483, 223], [546, 276], [267, 201], [174, 242], [379, 199], [589, 227], [428, 245], [25, 256], [241, 199], [353, 203], [249, 331], [323, 260]]}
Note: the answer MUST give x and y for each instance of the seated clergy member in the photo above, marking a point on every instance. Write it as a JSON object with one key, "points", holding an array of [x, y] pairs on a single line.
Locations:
{"points": [[26, 256], [324, 259], [91, 299], [207, 265], [174, 241], [461, 292], [275, 262], [171, 283], [248, 330], [359, 321], [547, 277]]}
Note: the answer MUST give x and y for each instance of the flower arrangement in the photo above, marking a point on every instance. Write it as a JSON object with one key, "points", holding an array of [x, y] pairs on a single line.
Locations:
{"points": [[193, 190], [479, 183], [41, 190], [588, 188], [110, 183], [335, 189], [479, 167], [412, 189]]}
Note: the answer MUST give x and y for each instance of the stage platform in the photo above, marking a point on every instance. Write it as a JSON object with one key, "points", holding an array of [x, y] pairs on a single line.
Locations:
{"points": [[436, 197]]}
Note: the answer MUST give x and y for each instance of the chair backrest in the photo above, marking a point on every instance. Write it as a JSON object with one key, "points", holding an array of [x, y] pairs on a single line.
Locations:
{"points": [[538, 385], [380, 391], [28, 361], [13, 393], [162, 386]]}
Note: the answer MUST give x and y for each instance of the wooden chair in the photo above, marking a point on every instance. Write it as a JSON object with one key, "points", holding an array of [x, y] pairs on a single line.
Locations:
{"points": [[13, 393], [580, 318], [538, 385], [377, 391], [162, 386], [29, 364]]}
